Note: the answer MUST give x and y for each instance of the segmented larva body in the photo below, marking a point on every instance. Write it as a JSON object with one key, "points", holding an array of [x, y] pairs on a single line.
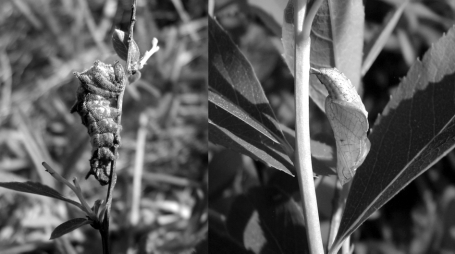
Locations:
{"points": [[100, 86]]}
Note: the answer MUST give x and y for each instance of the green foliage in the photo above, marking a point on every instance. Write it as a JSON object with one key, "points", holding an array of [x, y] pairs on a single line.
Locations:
{"points": [[412, 134], [411, 144]]}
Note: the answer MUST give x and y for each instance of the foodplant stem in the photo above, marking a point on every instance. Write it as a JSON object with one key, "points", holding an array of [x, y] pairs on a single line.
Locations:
{"points": [[303, 152]]}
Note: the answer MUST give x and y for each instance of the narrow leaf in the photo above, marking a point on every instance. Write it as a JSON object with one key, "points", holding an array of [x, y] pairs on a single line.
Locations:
{"points": [[38, 189], [336, 41], [68, 226], [373, 49], [416, 129], [349, 121], [240, 116]]}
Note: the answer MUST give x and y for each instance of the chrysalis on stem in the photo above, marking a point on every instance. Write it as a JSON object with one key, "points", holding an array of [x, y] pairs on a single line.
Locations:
{"points": [[349, 121]]}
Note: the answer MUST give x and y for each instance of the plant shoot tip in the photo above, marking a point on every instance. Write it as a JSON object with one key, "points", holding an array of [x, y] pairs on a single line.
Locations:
{"points": [[149, 53]]}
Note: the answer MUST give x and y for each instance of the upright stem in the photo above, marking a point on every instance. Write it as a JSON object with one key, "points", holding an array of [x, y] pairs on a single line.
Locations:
{"points": [[337, 210], [104, 230], [346, 247], [303, 152], [131, 66], [339, 200], [105, 240], [344, 195]]}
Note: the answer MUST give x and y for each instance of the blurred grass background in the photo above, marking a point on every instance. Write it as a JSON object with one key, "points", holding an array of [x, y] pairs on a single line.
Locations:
{"points": [[164, 123], [420, 218]]}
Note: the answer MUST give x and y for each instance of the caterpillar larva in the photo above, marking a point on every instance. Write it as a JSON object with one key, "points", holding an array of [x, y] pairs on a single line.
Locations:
{"points": [[99, 88]]}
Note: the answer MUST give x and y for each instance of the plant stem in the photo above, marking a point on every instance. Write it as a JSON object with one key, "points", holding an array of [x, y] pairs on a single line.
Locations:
{"points": [[302, 152], [104, 229], [345, 248], [105, 241], [131, 67], [339, 201], [344, 196], [337, 210]]}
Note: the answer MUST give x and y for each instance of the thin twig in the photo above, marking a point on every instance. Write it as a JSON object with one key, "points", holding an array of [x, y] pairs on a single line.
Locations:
{"points": [[337, 210], [339, 202], [75, 188], [105, 238], [344, 196], [130, 65], [131, 68], [104, 230]]}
